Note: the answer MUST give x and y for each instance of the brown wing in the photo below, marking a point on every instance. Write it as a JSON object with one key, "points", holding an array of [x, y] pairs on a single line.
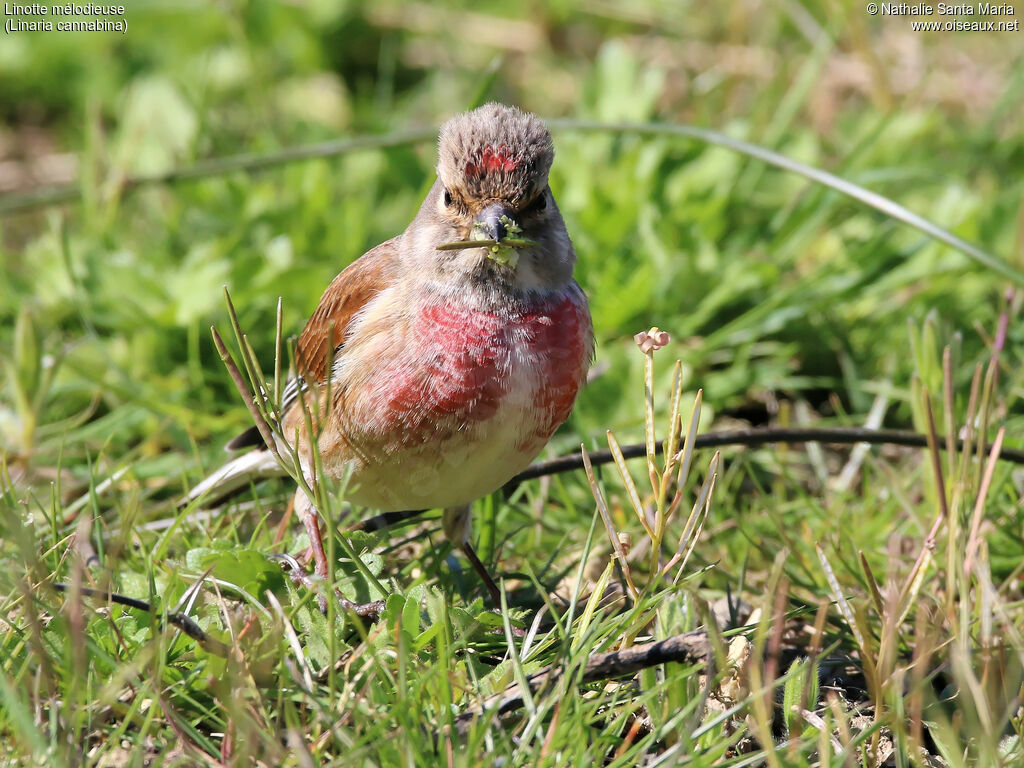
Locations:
{"points": [[327, 328], [345, 296]]}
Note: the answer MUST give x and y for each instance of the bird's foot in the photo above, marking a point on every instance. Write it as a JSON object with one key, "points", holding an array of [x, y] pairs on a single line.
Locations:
{"points": [[307, 557], [299, 576], [370, 610]]}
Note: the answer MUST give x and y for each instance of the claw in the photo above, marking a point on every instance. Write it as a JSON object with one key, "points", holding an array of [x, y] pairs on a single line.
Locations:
{"points": [[287, 562], [300, 578]]}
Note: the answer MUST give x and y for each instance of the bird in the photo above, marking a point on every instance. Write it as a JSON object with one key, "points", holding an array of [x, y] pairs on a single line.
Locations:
{"points": [[438, 364]]}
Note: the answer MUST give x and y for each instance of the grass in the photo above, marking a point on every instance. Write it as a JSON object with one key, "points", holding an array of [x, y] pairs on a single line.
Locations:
{"points": [[856, 605]]}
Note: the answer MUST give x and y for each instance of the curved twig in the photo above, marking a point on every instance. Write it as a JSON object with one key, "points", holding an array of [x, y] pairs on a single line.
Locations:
{"points": [[759, 436], [249, 162], [848, 188]]}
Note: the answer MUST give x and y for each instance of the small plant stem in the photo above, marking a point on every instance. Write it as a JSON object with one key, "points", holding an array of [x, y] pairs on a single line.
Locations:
{"points": [[974, 538], [627, 481], [658, 531], [671, 447]]}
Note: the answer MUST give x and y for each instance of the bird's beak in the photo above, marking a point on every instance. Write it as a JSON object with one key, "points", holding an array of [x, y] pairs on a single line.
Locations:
{"points": [[497, 232], [496, 221]]}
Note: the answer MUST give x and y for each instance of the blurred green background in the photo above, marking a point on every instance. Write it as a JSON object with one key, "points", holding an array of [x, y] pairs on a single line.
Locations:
{"points": [[774, 288], [787, 302]]}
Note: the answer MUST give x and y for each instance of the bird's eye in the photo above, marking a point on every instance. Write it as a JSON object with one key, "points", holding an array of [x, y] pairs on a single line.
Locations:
{"points": [[541, 202], [447, 199]]}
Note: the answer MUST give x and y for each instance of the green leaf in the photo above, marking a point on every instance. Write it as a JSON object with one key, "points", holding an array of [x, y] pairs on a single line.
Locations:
{"points": [[245, 568]]}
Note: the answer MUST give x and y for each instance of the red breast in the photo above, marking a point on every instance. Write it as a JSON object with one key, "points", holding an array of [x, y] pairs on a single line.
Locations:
{"points": [[461, 364]]}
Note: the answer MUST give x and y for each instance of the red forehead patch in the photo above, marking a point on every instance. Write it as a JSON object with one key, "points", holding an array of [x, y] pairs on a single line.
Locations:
{"points": [[492, 159]]}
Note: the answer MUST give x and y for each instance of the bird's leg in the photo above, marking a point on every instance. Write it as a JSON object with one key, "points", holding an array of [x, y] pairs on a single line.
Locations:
{"points": [[307, 514], [311, 520], [481, 569], [458, 524]]}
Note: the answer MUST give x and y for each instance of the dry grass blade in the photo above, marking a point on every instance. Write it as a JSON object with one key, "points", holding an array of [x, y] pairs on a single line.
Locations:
{"points": [[915, 580], [690, 443], [243, 390], [840, 598], [912, 586], [873, 590], [695, 522], [974, 538], [627, 480], [613, 536]]}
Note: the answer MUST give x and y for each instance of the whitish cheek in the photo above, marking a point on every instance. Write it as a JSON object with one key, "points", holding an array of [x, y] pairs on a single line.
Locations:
{"points": [[527, 277], [426, 240]]}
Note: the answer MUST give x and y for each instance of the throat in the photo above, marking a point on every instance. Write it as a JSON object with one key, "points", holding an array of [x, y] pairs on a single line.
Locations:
{"points": [[493, 287]]}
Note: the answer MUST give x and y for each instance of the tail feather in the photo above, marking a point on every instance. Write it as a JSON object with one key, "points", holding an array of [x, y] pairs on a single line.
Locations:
{"points": [[251, 437], [237, 474]]}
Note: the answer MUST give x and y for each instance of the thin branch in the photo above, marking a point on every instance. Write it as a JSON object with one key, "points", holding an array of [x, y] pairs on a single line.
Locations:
{"points": [[248, 162], [744, 437], [751, 437], [69, 193], [689, 648], [180, 620]]}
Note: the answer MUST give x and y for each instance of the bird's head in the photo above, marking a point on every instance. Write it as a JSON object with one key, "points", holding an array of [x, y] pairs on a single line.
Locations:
{"points": [[491, 213]]}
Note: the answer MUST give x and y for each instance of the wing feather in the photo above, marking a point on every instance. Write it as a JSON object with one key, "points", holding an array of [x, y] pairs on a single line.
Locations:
{"points": [[347, 294], [330, 324]]}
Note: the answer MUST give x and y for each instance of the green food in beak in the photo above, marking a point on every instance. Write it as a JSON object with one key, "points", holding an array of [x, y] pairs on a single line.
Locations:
{"points": [[500, 247]]}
